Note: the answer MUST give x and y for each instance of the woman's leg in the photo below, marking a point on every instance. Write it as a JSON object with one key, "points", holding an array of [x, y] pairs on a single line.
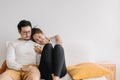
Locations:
{"points": [[59, 65], [45, 66]]}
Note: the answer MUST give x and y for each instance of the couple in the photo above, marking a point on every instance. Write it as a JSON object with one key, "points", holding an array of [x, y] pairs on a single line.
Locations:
{"points": [[22, 56]]}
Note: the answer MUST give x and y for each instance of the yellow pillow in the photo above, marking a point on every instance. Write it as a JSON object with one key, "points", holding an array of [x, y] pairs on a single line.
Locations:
{"points": [[87, 70]]}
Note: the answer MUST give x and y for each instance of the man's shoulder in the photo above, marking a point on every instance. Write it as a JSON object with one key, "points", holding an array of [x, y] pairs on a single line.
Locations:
{"points": [[21, 43], [12, 42], [32, 42]]}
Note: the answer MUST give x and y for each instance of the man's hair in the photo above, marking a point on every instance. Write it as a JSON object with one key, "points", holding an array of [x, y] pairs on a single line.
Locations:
{"points": [[23, 23]]}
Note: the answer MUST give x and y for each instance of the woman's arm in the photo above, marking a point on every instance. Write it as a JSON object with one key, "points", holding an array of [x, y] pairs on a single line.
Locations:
{"points": [[38, 49], [58, 39]]}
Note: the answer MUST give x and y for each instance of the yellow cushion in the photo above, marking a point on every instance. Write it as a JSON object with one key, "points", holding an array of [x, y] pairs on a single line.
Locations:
{"points": [[87, 70]]}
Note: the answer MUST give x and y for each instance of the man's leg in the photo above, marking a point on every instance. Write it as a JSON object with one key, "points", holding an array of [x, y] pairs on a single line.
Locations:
{"points": [[10, 75], [33, 74], [5, 77]]}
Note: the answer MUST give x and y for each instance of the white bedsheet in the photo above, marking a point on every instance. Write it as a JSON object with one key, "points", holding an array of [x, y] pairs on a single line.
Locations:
{"points": [[98, 78], [67, 77]]}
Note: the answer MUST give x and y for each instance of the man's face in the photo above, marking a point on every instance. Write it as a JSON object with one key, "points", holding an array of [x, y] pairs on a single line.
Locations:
{"points": [[25, 32]]}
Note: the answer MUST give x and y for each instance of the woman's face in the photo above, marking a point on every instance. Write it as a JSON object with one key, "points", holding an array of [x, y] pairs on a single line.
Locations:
{"points": [[39, 38]]}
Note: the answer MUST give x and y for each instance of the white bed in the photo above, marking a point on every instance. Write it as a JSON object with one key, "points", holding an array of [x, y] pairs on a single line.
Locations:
{"points": [[75, 53], [67, 77]]}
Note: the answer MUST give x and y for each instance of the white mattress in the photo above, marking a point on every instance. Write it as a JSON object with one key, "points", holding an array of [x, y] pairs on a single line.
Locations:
{"points": [[98, 78], [67, 77]]}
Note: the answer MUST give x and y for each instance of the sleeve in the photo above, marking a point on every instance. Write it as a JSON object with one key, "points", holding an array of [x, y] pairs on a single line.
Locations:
{"points": [[38, 56], [10, 58], [55, 40], [52, 40]]}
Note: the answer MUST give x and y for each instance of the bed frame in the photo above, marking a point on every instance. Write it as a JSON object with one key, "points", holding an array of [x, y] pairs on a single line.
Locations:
{"points": [[111, 68]]}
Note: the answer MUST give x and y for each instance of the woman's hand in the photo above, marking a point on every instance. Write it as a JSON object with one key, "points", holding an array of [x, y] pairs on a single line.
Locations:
{"points": [[38, 49], [58, 39]]}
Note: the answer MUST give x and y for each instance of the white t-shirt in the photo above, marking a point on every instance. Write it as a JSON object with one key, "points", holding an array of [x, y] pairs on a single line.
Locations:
{"points": [[20, 52]]}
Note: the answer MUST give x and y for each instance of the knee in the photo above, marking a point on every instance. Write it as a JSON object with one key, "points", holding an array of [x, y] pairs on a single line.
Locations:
{"points": [[58, 50], [5, 77], [58, 46], [49, 45], [35, 76]]}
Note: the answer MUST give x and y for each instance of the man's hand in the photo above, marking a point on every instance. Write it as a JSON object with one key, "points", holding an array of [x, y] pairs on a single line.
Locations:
{"points": [[26, 68]]}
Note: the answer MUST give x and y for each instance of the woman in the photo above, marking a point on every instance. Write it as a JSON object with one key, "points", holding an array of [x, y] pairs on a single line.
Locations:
{"points": [[52, 63]]}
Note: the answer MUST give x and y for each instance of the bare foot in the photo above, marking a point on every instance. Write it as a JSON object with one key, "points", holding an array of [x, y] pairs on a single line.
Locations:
{"points": [[55, 77]]}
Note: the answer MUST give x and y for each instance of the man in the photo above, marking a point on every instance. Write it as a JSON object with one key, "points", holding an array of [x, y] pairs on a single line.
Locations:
{"points": [[21, 57]]}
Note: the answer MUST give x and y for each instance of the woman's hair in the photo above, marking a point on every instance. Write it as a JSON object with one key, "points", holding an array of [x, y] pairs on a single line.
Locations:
{"points": [[34, 31]]}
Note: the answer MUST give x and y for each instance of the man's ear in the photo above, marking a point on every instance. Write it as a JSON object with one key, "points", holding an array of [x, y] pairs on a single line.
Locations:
{"points": [[19, 31]]}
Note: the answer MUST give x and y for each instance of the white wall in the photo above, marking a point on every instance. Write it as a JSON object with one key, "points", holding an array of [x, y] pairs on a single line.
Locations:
{"points": [[91, 24]]}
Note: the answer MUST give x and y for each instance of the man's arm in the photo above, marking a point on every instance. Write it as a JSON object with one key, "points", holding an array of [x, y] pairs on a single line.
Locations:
{"points": [[10, 58]]}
